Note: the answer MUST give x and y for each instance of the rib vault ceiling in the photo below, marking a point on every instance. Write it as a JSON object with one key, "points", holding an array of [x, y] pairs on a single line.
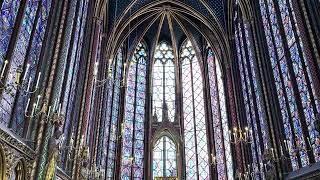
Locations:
{"points": [[127, 22]]}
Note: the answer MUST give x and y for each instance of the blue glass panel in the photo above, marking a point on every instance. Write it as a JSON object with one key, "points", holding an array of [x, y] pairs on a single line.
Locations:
{"points": [[8, 15], [133, 128], [196, 146], [33, 60], [18, 58]]}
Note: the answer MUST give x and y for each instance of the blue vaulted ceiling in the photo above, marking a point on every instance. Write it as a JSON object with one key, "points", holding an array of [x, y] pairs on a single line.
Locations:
{"points": [[117, 7], [187, 18]]}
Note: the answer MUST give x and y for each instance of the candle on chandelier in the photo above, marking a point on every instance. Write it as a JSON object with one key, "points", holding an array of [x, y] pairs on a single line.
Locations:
{"points": [[95, 71], [272, 152], [281, 150], [309, 141], [59, 109], [54, 105], [82, 140], [109, 63], [29, 84], [49, 111], [124, 69], [38, 100], [26, 72], [33, 109], [28, 102], [4, 68], [285, 144], [37, 85]]}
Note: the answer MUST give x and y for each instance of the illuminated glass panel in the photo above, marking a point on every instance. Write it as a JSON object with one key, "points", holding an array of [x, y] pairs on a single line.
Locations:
{"points": [[113, 126], [164, 163], [18, 58], [247, 97], [164, 82], [284, 83], [220, 122], [33, 60], [8, 16], [196, 150], [301, 73], [133, 126]]}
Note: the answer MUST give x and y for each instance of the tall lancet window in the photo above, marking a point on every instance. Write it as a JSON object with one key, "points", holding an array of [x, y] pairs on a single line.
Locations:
{"points": [[293, 81], [164, 83], [195, 137], [132, 163], [113, 115], [164, 162], [220, 128], [256, 125], [28, 42]]}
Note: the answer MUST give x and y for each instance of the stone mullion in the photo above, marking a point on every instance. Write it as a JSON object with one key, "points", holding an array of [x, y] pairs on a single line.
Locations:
{"points": [[272, 105], [147, 121], [148, 124]]}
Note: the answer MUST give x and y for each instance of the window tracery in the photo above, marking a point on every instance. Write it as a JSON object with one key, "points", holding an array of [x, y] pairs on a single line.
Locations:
{"points": [[132, 159], [164, 83], [195, 137], [164, 161]]}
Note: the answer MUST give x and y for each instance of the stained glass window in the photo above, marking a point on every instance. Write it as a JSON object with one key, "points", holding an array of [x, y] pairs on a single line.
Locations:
{"points": [[251, 91], [18, 58], [8, 16], [291, 73], [219, 119], [33, 59], [132, 163], [195, 138], [114, 114], [164, 83], [164, 163]]}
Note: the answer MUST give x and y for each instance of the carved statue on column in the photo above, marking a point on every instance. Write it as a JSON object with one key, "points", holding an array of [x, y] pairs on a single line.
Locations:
{"points": [[84, 157], [55, 146]]}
